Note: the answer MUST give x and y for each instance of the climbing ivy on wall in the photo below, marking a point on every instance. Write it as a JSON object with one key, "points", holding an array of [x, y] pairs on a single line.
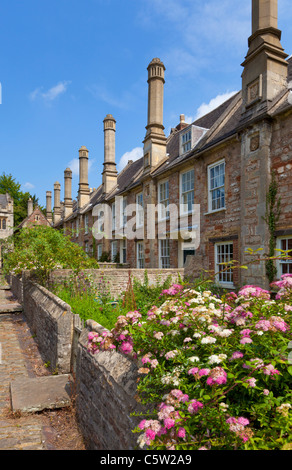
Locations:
{"points": [[271, 218]]}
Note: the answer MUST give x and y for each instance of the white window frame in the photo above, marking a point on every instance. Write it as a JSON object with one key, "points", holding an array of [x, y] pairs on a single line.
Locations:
{"points": [[227, 280], [280, 263], [139, 252], [99, 251], [114, 249], [211, 190], [186, 141], [123, 213], [163, 212], [113, 216], [77, 228], [86, 227], [139, 210], [123, 251], [164, 253], [86, 247], [182, 193]]}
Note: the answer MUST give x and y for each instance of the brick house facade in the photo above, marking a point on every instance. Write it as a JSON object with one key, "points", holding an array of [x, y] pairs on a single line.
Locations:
{"points": [[222, 164]]}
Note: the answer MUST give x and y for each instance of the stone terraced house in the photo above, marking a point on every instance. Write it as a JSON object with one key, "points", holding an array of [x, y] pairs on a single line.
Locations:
{"points": [[222, 162]]}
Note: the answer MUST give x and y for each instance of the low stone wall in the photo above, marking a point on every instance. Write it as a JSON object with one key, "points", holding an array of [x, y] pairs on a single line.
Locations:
{"points": [[105, 397], [105, 383], [51, 320], [16, 287], [117, 279]]}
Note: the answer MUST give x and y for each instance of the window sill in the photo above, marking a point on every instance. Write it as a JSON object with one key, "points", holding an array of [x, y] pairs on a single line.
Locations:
{"points": [[216, 211]]}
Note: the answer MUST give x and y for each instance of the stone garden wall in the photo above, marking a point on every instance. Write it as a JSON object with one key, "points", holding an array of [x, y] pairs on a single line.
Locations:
{"points": [[105, 383], [117, 279]]}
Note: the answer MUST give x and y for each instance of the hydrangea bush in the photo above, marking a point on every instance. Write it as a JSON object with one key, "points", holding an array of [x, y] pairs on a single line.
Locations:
{"points": [[215, 370]]}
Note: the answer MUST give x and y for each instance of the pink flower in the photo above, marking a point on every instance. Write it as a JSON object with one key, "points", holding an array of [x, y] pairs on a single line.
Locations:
{"points": [[203, 372], [270, 370], [251, 382], [181, 432], [263, 325], [246, 332], [236, 355], [217, 376], [141, 425], [150, 434], [266, 392], [243, 421], [194, 406], [126, 347], [169, 423], [245, 340], [254, 291], [193, 371]]}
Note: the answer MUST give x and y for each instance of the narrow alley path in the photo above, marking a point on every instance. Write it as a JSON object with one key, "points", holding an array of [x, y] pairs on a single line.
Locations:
{"points": [[19, 356]]}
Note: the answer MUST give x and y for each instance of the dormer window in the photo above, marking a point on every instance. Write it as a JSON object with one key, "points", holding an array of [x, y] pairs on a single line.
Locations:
{"points": [[189, 138], [186, 141]]}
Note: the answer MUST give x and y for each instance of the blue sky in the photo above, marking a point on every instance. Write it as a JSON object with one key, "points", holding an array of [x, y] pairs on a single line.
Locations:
{"points": [[66, 64]]}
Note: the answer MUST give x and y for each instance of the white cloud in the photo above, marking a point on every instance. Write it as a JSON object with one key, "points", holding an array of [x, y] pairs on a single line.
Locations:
{"points": [[134, 155], [28, 185], [202, 32], [206, 108], [51, 94], [74, 166]]}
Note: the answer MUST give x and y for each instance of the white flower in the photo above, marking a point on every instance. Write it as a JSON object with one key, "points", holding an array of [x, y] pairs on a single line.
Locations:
{"points": [[222, 356], [174, 332], [214, 359], [208, 340], [225, 333], [194, 359], [197, 335]]}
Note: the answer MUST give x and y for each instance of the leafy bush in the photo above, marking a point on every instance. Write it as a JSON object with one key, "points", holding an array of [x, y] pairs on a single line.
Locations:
{"points": [[216, 370], [42, 249], [146, 295]]}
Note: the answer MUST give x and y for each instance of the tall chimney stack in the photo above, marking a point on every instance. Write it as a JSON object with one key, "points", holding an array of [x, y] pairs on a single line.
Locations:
{"points": [[49, 206], [57, 203], [265, 67], [83, 193], [68, 204], [110, 174], [155, 140], [29, 207]]}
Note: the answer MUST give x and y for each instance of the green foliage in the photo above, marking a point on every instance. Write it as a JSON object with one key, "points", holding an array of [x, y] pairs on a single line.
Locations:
{"points": [[271, 218], [105, 257], [42, 249], [216, 372], [147, 295], [9, 185]]}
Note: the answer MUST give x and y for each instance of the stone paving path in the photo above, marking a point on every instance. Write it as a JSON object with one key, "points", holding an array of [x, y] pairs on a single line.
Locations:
{"points": [[19, 357], [24, 433]]}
